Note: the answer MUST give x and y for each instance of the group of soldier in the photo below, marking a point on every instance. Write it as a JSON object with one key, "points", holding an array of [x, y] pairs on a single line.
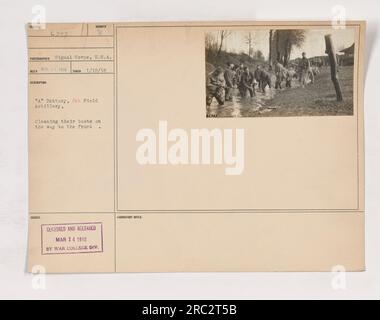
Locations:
{"points": [[221, 83]]}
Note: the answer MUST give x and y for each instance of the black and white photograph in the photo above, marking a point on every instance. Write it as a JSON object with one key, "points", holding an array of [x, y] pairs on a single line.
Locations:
{"points": [[267, 72]]}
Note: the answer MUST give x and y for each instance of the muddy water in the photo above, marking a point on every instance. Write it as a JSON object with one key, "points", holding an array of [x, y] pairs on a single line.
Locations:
{"points": [[247, 107]]}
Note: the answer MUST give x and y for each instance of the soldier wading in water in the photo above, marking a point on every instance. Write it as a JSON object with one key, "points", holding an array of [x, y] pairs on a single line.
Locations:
{"points": [[216, 87], [229, 77], [247, 85]]}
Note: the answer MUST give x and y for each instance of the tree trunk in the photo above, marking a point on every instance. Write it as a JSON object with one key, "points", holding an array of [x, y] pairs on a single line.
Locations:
{"points": [[287, 54], [333, 65], [285, 63], [221, 43], [278, 46], [270, 47]]}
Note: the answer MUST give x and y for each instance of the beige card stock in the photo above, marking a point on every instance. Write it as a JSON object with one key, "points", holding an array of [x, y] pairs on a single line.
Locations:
{"points": [[170, 147]]}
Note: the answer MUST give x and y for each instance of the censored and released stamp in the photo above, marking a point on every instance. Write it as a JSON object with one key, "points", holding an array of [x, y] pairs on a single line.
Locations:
{"points": [[72, 238]]}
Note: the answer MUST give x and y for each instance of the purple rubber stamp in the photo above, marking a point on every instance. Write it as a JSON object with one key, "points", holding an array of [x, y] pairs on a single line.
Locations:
{"points": [[72, 238]]}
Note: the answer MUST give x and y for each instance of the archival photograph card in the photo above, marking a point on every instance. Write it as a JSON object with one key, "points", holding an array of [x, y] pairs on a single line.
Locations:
{"points": [[196, 147]]}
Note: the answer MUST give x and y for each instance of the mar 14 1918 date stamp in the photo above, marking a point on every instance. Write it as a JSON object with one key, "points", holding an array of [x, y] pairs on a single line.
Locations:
{"points": [[72, 238]]}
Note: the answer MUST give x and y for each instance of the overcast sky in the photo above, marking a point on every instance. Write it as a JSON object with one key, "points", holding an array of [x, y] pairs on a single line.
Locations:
{"points": [[314, 44]]}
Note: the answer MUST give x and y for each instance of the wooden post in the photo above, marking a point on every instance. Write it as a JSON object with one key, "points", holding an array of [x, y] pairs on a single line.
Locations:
{"points": [[334, 68]]}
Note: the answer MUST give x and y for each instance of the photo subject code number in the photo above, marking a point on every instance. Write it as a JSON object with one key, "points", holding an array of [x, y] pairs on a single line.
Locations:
{"points": [[217, 309]]}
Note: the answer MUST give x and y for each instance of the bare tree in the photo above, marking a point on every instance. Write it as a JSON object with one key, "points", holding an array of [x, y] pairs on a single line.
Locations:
{"points": [[249, 42], [211, 42], [222, 37]]}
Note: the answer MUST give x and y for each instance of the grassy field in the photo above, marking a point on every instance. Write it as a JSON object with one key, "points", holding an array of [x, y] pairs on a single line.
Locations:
{"points": [[317, 99]]}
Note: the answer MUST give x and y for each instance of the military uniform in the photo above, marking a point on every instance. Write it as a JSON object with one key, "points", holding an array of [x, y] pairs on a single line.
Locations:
{"points": [[304, 70], [263, 78], [246, 84], [257, 76], [281, 74], [229, 76], [237, 77], [289, 76], [215, 88]]}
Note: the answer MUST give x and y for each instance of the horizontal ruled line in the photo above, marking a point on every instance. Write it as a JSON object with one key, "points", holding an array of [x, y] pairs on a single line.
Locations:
{"points": [[71, 60], [70, 73], [45, 48], [77, 36]]}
